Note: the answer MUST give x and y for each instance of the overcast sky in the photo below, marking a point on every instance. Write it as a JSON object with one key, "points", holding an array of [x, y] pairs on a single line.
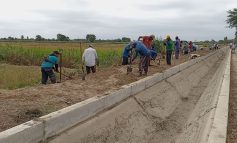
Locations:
{"points": [[110, 19]]}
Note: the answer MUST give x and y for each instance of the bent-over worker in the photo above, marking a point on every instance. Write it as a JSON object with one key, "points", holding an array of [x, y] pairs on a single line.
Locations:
{"points": [[144, 53], [47, 66]]}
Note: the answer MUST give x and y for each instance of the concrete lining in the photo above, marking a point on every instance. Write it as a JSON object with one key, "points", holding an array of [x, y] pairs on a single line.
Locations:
{"points": [[154, 106], [219, 126], [139, 112], [28, 132]]}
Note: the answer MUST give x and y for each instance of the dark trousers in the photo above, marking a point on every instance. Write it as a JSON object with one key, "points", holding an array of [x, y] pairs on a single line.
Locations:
{"points": [[168, 57], [125, 61], [185, 52], [177, 54], [89, 69], [47, 73], [143, 64]]}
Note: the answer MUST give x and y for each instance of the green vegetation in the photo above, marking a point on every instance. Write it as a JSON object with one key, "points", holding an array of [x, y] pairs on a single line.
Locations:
{"points": [[12, 77], [232, 20], [25, 59], [90, 37], [32, 53]]}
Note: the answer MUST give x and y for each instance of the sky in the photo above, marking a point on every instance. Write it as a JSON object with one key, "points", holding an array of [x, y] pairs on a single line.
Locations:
{"points": [[111, 19]]}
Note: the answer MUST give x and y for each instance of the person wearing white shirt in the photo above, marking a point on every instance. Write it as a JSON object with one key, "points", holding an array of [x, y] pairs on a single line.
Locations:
{"points": [[90, 59]]}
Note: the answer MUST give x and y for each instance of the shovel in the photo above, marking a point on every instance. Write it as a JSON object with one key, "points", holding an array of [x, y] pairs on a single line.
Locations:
{"points": [[83, 73], [82, 67], [129, 67]]}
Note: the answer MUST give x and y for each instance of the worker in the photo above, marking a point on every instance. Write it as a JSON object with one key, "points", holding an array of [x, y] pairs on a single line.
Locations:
{"points": [[90, 59], [126, 54], [47, 66], [186, 48], [147, 40], [144, 53], [177, 47], [231, 45], [169, 49], [190, 46]]}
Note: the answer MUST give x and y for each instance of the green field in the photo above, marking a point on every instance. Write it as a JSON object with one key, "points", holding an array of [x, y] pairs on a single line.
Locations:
{"points": [[21, 60], [13, 76], [32, 53]]}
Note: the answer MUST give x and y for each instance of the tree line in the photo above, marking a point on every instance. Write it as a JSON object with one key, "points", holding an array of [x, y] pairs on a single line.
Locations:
{"points": [[62, 37], [232, 21]]}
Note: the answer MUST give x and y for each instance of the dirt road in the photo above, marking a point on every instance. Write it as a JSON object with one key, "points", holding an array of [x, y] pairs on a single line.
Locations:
{"points": [[232, 117], [21, 105]]}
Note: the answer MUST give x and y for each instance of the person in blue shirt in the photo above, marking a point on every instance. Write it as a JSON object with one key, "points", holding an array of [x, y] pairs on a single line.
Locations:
{"points": [[47, 66], [144, 53], [177, 47], [126, 54]]}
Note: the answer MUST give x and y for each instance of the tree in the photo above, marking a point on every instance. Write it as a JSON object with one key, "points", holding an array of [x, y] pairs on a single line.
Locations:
{"points": [[10, 38], [22, 37], [232, 19], [225, 40], [221, 42], [39, 38], [90, 37], [61, 37], [125, 39]]}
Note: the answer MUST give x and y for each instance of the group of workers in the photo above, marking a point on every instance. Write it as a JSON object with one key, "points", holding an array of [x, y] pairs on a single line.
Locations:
{"points": [[144, 47]]}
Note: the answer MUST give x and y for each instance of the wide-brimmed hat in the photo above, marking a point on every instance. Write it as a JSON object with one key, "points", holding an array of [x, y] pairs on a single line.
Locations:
{"points": [[56, 52]]}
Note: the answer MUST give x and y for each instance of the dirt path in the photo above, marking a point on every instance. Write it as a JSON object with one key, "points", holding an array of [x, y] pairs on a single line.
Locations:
{"points": [[21, 105], [232, 117]]}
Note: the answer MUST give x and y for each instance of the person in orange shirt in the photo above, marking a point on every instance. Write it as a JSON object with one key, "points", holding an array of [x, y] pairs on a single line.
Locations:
{"points": [[147, 40], [190, 46]]}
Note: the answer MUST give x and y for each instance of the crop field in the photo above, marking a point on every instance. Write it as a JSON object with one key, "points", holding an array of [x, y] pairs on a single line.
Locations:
{"points": [[24, 58], [32, 53], [13, 76]]}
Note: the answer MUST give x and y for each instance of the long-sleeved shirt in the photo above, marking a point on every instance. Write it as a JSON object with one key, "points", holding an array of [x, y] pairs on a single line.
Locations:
{"points": [[147, 40], [89, 57], [50, 62], [141, 49], [169, 45], [177, 45], [126, 50]]}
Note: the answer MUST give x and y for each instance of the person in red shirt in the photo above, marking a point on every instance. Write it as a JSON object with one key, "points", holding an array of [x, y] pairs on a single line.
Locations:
{"points": [[147, 40], [190, 46]]}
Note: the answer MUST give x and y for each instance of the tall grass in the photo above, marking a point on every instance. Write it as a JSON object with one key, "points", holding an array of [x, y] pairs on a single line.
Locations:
{"points": [[12, 76], [32, 53]]}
